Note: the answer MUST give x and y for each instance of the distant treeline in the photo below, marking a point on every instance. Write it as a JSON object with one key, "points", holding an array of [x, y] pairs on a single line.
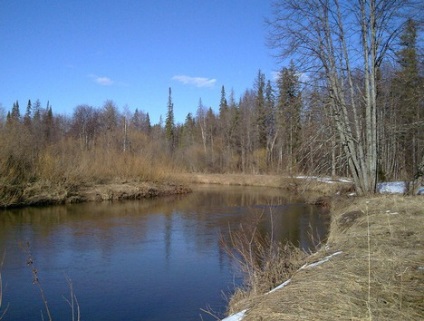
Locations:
{"points": [[284, 127]]}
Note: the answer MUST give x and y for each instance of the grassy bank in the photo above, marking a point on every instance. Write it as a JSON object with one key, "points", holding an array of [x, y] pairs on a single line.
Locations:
{"points": [[66, 174], [379, 274], [47, 193], [128, 178]]}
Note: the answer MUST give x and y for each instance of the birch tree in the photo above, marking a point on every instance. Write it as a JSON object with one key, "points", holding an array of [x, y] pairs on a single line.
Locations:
{"points": [[340, 39]]}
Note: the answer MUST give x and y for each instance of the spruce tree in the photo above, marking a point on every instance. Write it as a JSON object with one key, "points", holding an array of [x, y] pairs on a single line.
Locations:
{"points": [[408, 84], [169, 122], [261, 110], [16, 114], [27, 117], [223, 105], [290, 104]]}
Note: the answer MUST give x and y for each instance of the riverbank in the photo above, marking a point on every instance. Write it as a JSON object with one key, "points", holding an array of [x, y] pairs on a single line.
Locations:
{"points": [[297, 184], [372, 267], [50, 194]]}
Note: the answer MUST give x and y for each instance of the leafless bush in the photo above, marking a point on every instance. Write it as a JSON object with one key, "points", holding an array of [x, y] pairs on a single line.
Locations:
{"points": [[263, 261], [72, 300]]}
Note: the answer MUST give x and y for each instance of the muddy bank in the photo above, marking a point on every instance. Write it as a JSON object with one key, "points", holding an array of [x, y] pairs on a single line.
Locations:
{"points": [[49, 194]]}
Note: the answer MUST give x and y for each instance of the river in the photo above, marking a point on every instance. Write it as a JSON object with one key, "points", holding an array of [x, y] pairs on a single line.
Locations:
{"points": [[154, 259]]}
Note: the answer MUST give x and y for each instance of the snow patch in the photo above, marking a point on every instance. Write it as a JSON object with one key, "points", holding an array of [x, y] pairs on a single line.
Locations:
{"points": [[236, 317], [392, 188], [240, 315], [307, 266], [280, 286], [325, 179]]}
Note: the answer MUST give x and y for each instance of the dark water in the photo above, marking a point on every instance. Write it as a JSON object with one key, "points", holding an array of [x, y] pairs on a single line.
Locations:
{"points": [[140, 260]]}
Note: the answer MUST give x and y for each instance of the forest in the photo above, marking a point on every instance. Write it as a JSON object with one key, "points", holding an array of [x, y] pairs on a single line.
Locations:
{"points": [[285, 126]]}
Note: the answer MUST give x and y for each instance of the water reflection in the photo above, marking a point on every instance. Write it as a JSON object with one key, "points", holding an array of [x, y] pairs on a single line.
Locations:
{"points": [[154, 259]]}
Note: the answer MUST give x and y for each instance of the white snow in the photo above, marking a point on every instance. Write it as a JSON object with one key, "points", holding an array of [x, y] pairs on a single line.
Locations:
{"points": [[280, 286], [392, 188], [236, 317], [399, 187], [240, 315], [307, 266], [325, 179]]}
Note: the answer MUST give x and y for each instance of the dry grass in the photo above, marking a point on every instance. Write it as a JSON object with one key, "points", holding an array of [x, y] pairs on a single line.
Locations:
{"points": [[379, 275], [263, 262], [59, 170], [72, 165]]}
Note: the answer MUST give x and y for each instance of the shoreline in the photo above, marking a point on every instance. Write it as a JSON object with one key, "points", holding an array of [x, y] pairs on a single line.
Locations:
{"points": [[371, 267], [378, 272], [42, 194], [46, 193]]}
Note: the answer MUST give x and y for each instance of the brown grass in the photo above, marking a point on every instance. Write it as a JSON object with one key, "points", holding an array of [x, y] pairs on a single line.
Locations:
{"points": [[73, 165], [60, 170], [263, 261], [379, 275]]}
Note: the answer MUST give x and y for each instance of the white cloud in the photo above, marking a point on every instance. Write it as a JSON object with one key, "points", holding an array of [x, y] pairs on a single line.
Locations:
{"points": [[101, 80], [195, 81]]}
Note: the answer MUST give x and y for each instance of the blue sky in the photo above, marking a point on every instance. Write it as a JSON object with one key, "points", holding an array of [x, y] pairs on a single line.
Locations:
{"points": [[85, 52]]}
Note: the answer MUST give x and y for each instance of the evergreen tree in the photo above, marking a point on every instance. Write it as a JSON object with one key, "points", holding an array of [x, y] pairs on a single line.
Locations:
{"points": [[136, 119], [261, 110], [48, 123], [27, 117], [148, 125], [16, 114], [408, 90], [169, 122], [223, 105], [270, 120], [290, 105], [37, 111]]}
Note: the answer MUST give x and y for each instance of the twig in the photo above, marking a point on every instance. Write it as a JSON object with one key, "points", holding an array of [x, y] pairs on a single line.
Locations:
{"points": [[73, 301], [36, 280]]}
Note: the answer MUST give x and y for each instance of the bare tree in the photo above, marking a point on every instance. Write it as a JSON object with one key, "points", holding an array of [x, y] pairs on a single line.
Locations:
{"points": [[340, 39]]}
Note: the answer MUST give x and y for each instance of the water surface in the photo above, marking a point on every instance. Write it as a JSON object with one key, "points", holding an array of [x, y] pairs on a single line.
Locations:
{"points": [[157, 259]]}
